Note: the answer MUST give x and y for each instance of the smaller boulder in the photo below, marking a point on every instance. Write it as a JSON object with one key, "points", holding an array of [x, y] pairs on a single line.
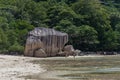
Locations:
{"points": [[77, 52], [68, 48], [40, 53]]}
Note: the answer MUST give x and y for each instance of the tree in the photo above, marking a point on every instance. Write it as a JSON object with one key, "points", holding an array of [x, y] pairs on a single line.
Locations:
{"points": [[58, 13], [87, 36], [94, 15], [115, 20], [117, 27], [3, 40], [3, 23], [16, 48], [12, 37], [21, 28], [111, 41]]}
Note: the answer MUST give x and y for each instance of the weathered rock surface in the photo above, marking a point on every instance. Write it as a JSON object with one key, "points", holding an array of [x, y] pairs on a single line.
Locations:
{"points": [[68, 48], [49, 40], [40, 53]]}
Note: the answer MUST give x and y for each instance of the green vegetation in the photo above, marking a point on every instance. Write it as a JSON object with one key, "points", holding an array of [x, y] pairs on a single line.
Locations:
{"points": [[91, 24]]}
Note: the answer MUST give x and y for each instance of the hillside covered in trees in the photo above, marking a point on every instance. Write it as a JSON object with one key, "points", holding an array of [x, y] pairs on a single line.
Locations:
{"points": [[92, 25]]}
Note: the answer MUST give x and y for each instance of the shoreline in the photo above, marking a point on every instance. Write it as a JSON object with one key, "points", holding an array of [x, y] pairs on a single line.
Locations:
{"points": [[18, 67]]}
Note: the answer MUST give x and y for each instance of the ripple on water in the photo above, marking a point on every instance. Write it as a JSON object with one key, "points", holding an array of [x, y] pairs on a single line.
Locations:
{"points": [[102, 70]]}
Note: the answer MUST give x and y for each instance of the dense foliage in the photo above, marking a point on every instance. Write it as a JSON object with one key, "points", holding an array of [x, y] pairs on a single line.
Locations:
{"points": [[92, 25]]}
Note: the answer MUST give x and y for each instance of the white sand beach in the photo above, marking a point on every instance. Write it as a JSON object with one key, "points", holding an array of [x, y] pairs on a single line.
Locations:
{"points": [[13, 67]]}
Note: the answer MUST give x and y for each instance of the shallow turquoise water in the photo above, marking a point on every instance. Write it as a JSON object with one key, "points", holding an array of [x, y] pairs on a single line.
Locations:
{"points": [[82, 68]]}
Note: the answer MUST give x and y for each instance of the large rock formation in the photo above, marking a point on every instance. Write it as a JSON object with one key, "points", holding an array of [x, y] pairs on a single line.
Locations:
{"points": [[43, 42]]}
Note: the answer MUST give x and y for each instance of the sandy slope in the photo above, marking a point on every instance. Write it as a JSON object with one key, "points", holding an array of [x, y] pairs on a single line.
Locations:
{"points": [[13, 67]]}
